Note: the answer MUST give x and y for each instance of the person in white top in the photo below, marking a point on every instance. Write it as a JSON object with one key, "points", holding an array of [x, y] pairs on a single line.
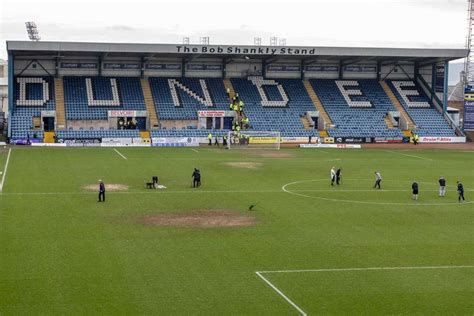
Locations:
{"points": [[333, 175], [378, 179]]}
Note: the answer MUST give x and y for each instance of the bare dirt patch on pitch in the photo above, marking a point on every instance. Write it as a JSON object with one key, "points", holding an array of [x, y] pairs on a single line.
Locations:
{"points": [[244, 165], [202, 219], [112, 187]]}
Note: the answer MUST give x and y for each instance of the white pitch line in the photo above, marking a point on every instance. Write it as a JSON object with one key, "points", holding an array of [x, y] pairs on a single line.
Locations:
{"points": [[370, 269], [118, 152], [196, 151], [413, 156], [5, 170], [302, 312]]}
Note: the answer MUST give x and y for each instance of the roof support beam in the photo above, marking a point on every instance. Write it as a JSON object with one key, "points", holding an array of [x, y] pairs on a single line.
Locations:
{"points": [[341, 71], [379, 70], [183, 67], [302, 65], [142, 67], [56, 66], [31, 62], [428, 62], [100, 66]]}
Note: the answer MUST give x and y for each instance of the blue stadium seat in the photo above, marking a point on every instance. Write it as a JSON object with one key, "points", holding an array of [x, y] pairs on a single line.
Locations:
{"points": [[429, 121]]}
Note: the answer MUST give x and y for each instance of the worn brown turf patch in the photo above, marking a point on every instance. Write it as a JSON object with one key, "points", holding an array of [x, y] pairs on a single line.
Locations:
{"points": [[203, 219], [245, 165], [108, 187]]}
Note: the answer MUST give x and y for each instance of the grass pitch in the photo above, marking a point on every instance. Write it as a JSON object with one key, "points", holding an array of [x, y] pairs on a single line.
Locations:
{"points": [[62, 252]]}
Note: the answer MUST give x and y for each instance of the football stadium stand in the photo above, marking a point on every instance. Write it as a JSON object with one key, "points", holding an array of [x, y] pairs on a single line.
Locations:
{"points": [[356, 107], [32, 95], [156, 91], [362, 113], [89, 98], [428, 121]]}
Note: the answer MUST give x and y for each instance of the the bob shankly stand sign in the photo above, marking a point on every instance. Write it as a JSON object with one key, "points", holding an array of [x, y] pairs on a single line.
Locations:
{"points": [[261, 50]]}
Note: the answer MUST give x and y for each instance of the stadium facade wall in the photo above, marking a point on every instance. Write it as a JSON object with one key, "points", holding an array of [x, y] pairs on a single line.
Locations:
{"points": [[235, 70], [88, 124], [177, 124]]}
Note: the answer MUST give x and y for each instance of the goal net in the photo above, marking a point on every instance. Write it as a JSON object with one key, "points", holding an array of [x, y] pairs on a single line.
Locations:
{"points": [[254, 139]]}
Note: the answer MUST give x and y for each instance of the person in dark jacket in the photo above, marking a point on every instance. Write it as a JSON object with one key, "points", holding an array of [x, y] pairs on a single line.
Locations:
{"points": [[460, 191], [338, 175], [196, 178], [414, 188], [442, 187], [101, 191]]}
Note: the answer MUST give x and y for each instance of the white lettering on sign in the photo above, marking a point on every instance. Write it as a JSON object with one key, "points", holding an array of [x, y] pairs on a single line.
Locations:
{"points": [[211, 113]]}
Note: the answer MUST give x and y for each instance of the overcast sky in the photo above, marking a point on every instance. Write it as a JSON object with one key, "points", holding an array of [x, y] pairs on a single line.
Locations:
{"points": [[392, 23]]}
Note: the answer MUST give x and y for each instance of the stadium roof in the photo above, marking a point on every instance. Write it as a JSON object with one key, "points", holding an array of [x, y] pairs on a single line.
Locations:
{"points": [[65, 49]]}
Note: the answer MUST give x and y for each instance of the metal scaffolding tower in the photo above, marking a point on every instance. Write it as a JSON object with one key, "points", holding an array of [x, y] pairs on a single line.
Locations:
{"points": [[469, 64]]}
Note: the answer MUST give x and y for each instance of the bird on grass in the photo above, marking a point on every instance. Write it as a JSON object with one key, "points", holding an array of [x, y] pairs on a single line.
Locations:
{"points": [[252, 206]]}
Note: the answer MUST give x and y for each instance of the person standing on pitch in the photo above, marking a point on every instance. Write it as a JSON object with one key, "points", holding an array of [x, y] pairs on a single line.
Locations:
{"points": [[338, 175], [333, 175], [414, 188], [196, 178], [442, 187], [209, 137], [101, 191], [378, 179], [460, 191]]}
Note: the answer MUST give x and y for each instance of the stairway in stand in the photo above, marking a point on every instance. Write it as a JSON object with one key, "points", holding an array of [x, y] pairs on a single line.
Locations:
{"points": [[305, 122], [389, 123], [228, 85], [59, 98], [149, 104], [318, 105], [396, 103]]}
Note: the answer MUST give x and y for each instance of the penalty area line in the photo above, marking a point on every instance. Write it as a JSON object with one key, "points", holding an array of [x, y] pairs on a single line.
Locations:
{"points": [[279, 292], [118, 152], [302, 312], [5, 170]]}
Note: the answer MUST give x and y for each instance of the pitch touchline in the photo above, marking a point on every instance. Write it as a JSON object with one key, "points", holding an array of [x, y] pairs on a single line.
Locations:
{"points": [[303, 313], [203, 192], [5, 170], [369, 269], [413, 156], [118, 152]]}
